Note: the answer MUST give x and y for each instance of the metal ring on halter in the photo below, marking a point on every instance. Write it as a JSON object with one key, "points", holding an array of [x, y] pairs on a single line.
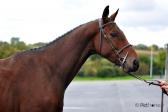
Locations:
{"points": [[121, 59]]}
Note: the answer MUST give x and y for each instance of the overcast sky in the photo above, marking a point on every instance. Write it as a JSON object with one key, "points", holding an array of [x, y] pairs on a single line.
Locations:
{"points": [[143, 21]]}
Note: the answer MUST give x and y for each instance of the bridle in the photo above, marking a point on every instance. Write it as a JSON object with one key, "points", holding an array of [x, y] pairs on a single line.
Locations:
{"points": [[121, 59]]}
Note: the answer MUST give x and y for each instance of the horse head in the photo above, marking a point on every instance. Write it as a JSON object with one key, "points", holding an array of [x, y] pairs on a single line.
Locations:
{"points": [[111, 43]]}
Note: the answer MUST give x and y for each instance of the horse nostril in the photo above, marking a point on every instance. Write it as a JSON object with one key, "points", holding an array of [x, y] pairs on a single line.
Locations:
{"points": [[135, 64]]}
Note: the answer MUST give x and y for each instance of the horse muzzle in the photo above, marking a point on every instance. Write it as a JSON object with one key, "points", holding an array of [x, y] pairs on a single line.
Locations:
{"points": [[130, 65]]}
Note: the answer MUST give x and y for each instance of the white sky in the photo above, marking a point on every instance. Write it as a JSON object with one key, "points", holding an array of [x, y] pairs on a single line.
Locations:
{"points": [[143, 21]]}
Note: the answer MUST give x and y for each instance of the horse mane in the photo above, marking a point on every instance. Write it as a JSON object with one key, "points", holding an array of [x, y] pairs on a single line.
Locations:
{"points": [[52, 42], [60, 37]]}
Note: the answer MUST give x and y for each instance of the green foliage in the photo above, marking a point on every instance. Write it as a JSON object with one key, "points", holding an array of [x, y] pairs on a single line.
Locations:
{"points": [[160, 58], [144, 58], [144, 68], [141, 47], [144, 64], [98, 66], [123, 77], [7, 49], [159, 62], [155, 47]]}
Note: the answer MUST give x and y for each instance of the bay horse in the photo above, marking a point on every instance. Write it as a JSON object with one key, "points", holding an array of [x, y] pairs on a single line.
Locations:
{"points": [[35, 80]]}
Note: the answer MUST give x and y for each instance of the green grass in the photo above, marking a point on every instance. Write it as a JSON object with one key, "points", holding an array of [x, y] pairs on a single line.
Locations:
{"points": [[78, 78]]}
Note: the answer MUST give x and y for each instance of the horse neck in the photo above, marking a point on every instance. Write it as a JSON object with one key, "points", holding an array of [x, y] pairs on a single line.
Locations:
{"points": [[66, 56]]}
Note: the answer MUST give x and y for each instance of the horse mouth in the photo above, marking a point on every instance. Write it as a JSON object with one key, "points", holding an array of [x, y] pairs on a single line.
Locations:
{"points": [[129, 69], [126, 69]]}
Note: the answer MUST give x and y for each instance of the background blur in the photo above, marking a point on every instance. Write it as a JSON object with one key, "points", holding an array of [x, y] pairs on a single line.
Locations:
{"points": [[26, 24]]}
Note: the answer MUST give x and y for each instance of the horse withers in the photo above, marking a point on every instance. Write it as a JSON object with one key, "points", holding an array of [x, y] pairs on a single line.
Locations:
{"points": [[35, 80]]}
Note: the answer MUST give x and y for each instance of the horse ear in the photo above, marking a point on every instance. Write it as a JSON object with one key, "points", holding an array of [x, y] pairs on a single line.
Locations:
{"points": [[105, 14], [112, 17]]}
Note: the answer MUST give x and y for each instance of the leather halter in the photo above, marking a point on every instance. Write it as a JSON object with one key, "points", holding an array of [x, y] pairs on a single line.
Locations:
{"points": [[117, 52]]}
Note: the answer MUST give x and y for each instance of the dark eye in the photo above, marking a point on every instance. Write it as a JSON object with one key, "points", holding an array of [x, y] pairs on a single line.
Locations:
{"points": [[113, 34]]}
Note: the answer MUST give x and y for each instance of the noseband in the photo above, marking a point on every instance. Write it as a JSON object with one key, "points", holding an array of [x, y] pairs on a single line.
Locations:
{"points": [[121, 59]]}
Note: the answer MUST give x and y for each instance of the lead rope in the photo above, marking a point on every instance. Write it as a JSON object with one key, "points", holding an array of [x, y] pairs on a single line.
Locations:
{"points": [[153, 82]]}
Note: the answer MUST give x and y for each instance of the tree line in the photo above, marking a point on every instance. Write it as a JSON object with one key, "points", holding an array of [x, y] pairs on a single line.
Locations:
{"points": [[96, 65]]}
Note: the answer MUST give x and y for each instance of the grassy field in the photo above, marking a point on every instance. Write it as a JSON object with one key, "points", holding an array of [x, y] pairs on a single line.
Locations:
{"points": [[77, 78]]}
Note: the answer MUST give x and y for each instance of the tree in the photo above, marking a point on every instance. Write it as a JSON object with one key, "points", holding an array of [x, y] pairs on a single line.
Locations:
{"points": [[141, 47], [154, 47], [7, 49], [14, 40]]}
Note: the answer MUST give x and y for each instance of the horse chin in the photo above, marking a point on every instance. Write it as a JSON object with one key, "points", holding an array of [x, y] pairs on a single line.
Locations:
{"points": [[127, 69]]}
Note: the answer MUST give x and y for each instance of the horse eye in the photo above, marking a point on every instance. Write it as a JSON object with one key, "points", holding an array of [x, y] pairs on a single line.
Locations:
{"points": [[113, 34]]}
